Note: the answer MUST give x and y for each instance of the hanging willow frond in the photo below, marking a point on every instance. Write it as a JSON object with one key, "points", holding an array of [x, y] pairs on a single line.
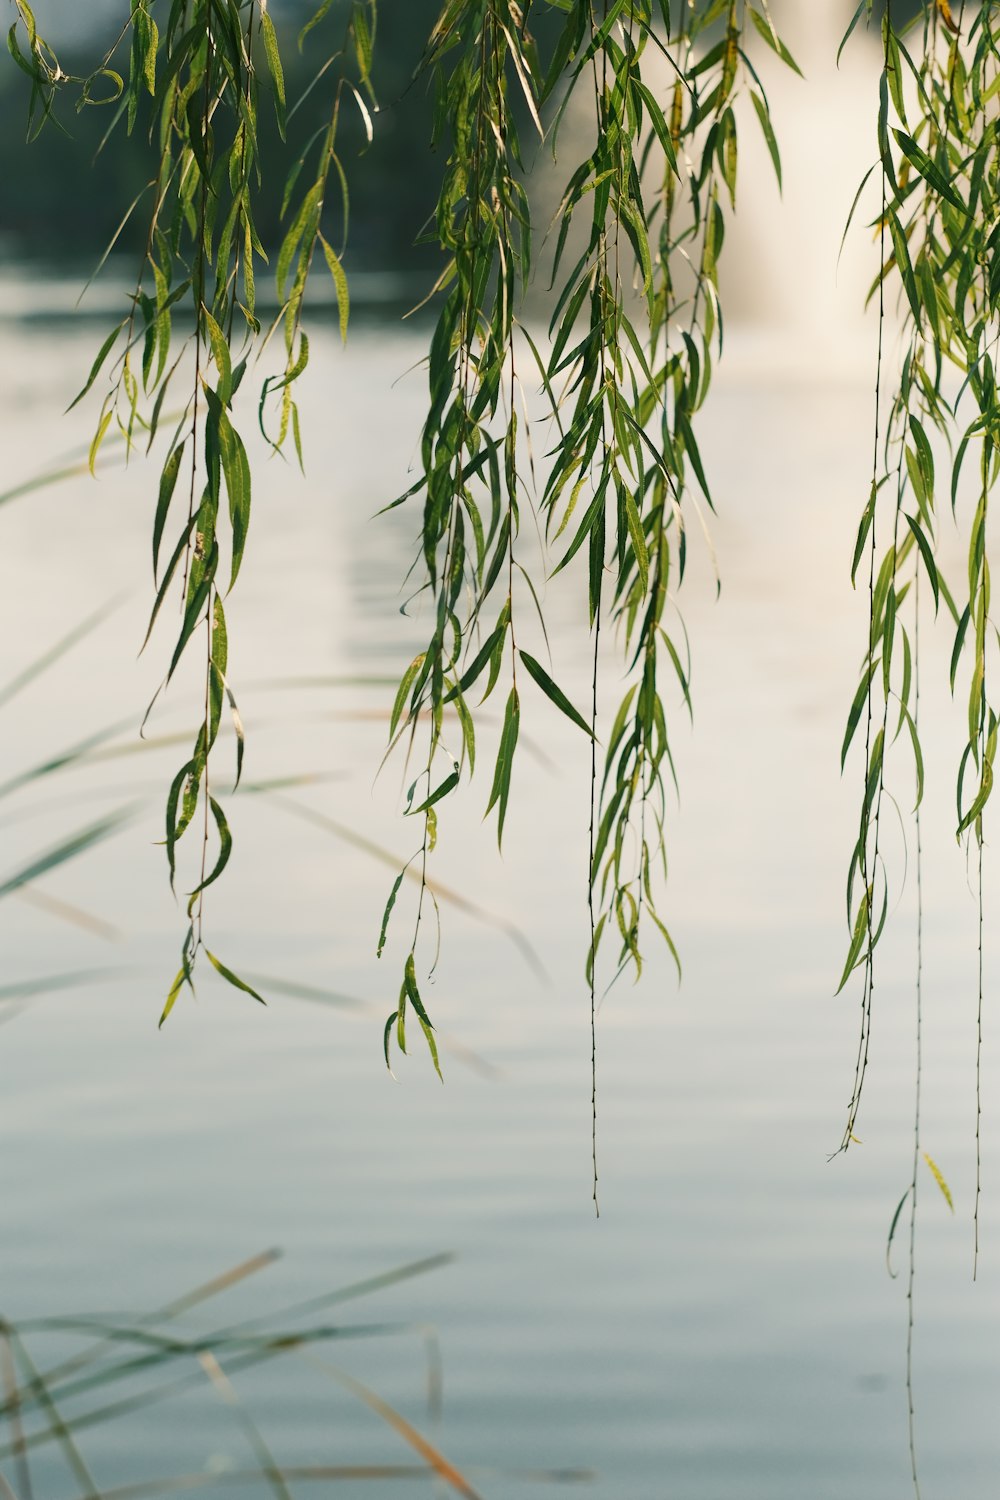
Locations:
{"points": [[471, 490], [195, 85], [940, 164], [629, 364]]}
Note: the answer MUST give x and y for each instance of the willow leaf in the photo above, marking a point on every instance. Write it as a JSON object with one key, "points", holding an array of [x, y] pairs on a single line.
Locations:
{"points": [[95, 368], [274, 64], [938, 1176], [233, 979], [179, 980], [340, 285], [388, 912], [929, 170], [554, 693], [410, 989], [168, 483], [928, 557], [505, 760], [225, 850], [767, 129], [857, 940], [892, 1226], [447, 785]]}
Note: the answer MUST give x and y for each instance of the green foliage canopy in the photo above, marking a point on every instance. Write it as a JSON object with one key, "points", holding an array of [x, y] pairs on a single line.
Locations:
{"points": [[635, 328]]}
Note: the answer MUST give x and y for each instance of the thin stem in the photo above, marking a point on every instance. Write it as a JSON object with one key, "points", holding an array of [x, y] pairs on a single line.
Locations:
{"points": [[979, 1067], [208, 737], [868, 886], [590, 909], [914, 1180]]}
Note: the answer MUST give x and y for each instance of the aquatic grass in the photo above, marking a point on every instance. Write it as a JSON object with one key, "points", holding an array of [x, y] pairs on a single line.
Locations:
{"points": [[110, 744], [117, 741], [151, 1360], [76, 466], [20, 880], [438, 891], [40, 664], [14, 996]]}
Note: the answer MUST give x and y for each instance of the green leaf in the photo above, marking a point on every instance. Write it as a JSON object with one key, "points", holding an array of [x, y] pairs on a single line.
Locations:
{"points": [[903, 263], [505, 760], [638, 540], [658, 123], [447, 785], [314, 20], [388, 912], [980, 801], [895, 1217], [928, 557], [475, 669], [225, 849], [853, 718], [274, 65], [340, 285], [175, 989], [406, 682], [362, 41], [168, 483], [95, 368], [773, 40], [764, 116], [553, 692], [918, 758], [98, 438], [233, 979], [410, 988], [393, 1019], [857, 939], [236, 472], [220, 353], [928, 170], [863, 6], [428, 1032]]}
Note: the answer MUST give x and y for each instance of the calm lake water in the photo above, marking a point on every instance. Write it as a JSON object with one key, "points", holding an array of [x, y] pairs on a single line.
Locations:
{"points": [[727, 1330]]}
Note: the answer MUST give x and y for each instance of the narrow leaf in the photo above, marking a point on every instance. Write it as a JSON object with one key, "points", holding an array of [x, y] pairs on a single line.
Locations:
{"points": [[232, 978], [553, 692]]}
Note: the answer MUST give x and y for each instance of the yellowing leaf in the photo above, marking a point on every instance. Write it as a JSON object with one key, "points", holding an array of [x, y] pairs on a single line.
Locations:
{"points": [[937, 1174]]}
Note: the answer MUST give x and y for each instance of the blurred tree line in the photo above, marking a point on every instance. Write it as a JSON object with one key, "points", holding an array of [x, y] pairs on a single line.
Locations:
{"points": [[65, 191]]}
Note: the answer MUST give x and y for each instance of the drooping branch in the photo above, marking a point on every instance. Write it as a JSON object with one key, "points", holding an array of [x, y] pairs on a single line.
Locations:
{"points": [[938, 159], [195, 87]]}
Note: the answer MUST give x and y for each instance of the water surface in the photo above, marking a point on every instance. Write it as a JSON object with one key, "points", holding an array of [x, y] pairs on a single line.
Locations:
{"points": [[727, 1330]]}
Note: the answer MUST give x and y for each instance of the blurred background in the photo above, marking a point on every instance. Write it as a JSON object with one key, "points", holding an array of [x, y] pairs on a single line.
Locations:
{"points": [[728, 1330]]}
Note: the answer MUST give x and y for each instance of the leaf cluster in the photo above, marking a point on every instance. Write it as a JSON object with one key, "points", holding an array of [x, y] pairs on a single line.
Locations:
{"points": [[939, 162], [627, 366], [197, 75]]}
